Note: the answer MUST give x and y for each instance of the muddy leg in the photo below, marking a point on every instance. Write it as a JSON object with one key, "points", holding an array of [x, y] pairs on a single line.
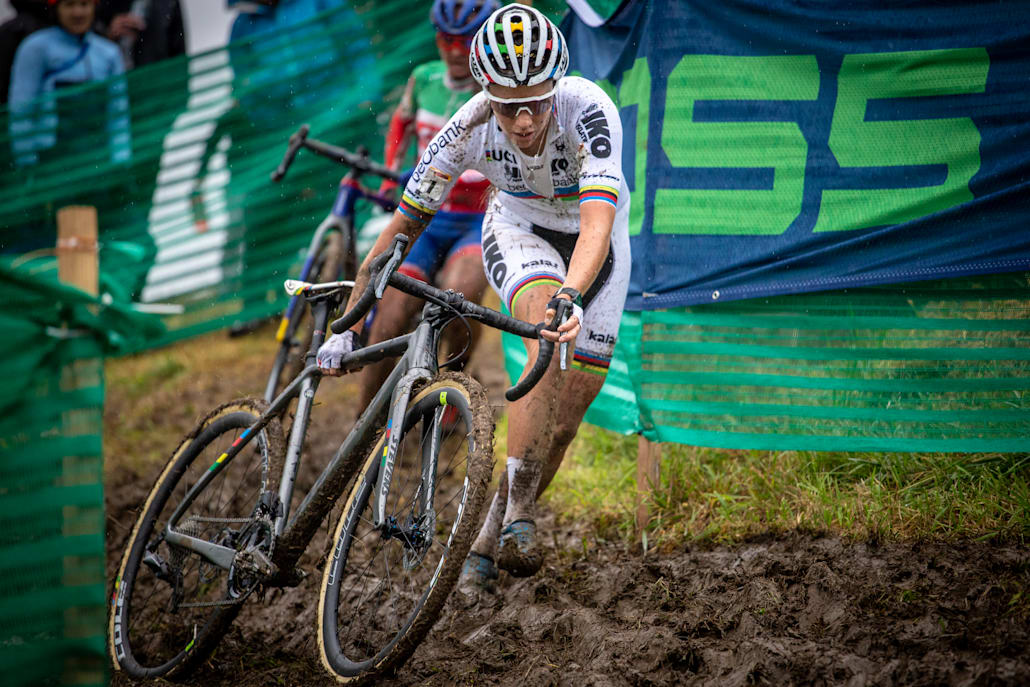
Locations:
{"points": [[571, 409], [486, 542], [531, 423]]}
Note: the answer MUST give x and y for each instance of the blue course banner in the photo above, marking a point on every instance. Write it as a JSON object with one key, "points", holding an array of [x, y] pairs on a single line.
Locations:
{"points": [[781, 146]]}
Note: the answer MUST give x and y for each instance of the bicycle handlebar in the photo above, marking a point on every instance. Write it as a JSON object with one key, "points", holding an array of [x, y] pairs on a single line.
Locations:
{"points": [[358, 162], [295, 144], [383, 271]]}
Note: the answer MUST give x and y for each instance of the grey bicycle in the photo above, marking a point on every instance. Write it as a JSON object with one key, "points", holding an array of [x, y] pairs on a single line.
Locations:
{"points": [[217, 525]]}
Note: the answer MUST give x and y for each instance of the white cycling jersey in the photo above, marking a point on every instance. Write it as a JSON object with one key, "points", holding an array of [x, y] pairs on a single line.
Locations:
{"points": [[532, 222], [583, 151]]}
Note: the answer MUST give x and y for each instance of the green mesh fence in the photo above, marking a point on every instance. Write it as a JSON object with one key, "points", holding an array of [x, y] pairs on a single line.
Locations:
{"points": [[187, 183], [176, 157], [931, 366], [52, 600]]}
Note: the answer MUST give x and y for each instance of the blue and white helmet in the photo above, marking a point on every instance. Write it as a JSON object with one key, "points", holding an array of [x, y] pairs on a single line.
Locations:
{"points": [[518, 46], [461, 17]]}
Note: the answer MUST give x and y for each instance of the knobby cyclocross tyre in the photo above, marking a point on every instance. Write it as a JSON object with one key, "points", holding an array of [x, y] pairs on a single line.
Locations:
{"points": [[335, 261], [169, 606], [382, 594]]}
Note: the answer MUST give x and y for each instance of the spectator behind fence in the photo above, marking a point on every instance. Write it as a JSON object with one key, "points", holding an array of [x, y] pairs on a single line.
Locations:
{"points": [[42, 122], [32, 15], [146, 30]]}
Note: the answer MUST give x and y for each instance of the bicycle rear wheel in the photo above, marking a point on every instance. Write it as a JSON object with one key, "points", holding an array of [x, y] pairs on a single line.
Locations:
{"points": [[382, 590], [171, 607]]}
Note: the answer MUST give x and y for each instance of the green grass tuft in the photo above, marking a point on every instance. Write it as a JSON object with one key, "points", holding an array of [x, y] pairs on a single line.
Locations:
{"points": [[717, 496]]}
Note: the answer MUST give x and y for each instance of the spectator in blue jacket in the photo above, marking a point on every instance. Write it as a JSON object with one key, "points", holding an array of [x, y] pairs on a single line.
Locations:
{"points": [[32, 15], [68, 54]]}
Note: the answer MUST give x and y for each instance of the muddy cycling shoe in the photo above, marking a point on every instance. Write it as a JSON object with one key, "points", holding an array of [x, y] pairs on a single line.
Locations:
{"points": [[479, 574], [518, 552]]}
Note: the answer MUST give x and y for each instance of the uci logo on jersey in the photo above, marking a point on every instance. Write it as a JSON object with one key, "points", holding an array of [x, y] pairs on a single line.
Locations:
{"points": [[499, 155]]}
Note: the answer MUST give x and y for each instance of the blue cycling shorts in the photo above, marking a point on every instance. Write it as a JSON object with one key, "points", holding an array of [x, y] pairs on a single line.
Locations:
{"points": [[448, 235]]}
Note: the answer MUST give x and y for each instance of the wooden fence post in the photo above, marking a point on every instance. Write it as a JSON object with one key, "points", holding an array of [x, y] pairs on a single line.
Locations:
{"points": [[77, 262], [649, 458], [78, 266]]}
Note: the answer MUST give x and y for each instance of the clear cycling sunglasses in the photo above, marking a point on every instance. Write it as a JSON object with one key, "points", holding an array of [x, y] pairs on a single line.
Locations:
{"points": [[511, 107]]}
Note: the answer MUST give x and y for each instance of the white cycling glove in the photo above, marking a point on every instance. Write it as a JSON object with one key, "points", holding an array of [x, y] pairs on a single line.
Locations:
{"points": [[335, 347], [577, 312]]}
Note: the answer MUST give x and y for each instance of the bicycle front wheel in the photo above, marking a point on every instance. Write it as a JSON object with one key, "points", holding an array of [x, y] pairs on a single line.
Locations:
{"points": [[170, 606], [383, 588]]}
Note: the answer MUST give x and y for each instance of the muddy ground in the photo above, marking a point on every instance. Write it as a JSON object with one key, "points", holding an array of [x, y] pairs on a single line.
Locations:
{"points": [[798, 610]]}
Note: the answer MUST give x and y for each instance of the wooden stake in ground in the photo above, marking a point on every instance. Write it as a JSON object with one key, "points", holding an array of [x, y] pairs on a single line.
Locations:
{"points": [[77, 262], [78, 266], [649, 459]]}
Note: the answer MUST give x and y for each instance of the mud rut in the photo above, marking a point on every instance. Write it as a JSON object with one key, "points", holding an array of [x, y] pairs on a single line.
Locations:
{"points": [[795, 610]]}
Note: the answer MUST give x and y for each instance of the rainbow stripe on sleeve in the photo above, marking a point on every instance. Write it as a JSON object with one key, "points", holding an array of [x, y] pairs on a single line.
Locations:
{"points": [[412, 209], [598, 192]]}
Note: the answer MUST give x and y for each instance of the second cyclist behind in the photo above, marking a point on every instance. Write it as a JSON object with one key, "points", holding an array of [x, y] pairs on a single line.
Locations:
{"points": [[448, 253]]}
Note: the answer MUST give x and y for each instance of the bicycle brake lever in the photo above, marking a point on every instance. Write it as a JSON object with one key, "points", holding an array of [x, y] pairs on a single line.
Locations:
{"points": [[563, 348], [400, 242]]}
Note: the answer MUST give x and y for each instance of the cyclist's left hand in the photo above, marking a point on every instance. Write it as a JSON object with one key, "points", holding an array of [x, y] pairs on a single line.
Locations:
{"points": [[568, 330], [330, 354]]}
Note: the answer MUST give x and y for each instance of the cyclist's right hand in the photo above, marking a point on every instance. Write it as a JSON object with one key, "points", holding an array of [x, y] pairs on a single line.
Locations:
{"points": [[331, 353]]}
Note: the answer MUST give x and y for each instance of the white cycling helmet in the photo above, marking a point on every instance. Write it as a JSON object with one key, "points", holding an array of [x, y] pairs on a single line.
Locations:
{"points": [[518, 46]]}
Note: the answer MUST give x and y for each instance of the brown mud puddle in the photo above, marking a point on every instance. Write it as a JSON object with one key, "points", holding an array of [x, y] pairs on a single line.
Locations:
{"points": [[800, 610]]}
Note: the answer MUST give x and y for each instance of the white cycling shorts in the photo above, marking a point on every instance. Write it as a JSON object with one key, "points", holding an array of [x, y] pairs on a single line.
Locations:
{"points": [[518, 255]]}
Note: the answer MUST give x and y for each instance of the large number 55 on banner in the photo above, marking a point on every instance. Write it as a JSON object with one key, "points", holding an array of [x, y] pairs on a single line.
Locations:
{"points": [[776, 147], [857, 141]]}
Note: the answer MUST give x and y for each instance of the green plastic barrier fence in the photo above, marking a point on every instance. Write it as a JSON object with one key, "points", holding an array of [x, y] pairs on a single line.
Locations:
{"points": [[176, 158], [188, 181], [929, 366], [52, 600]]}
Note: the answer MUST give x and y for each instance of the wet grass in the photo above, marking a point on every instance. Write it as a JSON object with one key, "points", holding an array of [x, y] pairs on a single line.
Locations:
{"points": [[717, 495]]}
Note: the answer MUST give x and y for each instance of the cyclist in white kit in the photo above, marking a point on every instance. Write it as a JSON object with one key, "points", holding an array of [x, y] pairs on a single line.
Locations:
{"points": [[556, 227]]}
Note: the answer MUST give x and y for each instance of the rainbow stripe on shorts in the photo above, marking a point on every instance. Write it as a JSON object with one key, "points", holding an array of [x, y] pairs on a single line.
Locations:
{"points": [[528, 282], [593, 364]]}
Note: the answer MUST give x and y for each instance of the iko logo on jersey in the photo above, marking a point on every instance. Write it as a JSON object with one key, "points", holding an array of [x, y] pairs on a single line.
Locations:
{"points": [[594, 128], [496, 269], [445, 137]]}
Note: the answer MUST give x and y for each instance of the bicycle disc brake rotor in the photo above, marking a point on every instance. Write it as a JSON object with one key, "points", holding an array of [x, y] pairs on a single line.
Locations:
{"points": [[417, 541]]}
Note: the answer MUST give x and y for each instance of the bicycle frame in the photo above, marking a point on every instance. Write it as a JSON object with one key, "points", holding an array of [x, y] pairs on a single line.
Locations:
{"points": [[417, 363]]}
